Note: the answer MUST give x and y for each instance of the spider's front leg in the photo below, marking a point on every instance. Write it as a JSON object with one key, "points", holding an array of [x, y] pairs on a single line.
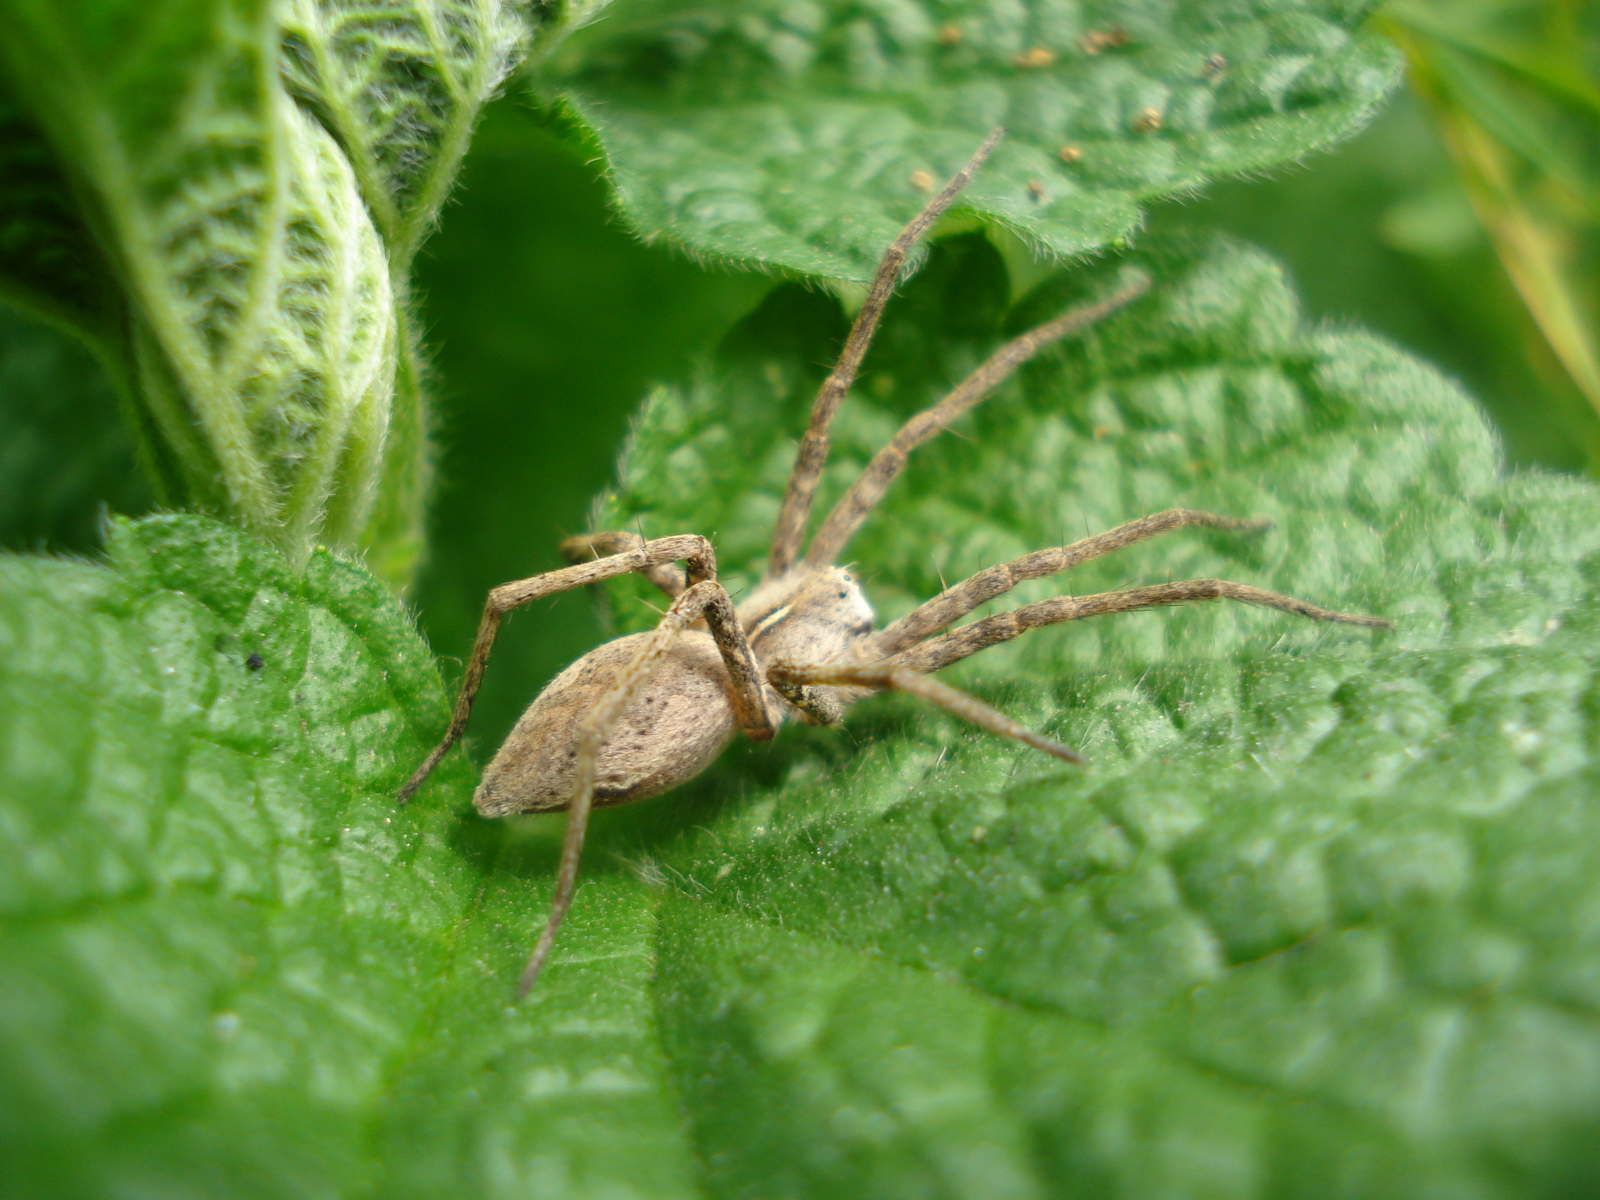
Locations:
{"points": [[588, 547], [966, 641], [955, 602]]}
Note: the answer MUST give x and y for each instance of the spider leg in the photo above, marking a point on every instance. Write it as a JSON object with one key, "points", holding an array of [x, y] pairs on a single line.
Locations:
{"points": [[819, 705], [874, 481], [958, 600], [980, 635], [813, 453], [692, 548], [891, 676], [587, 547], [707, 599]]}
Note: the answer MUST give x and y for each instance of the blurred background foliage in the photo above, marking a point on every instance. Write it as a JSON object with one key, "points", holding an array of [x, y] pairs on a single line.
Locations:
{"points": [[1462, 224]]}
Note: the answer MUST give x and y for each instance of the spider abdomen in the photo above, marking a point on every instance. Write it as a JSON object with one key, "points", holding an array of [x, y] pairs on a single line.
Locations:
{"points": [[680, 721]]}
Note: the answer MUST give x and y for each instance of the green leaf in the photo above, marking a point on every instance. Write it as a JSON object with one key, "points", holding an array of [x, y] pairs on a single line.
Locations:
{"points": [[263, 341], [400, 86], [1311, 922], [804, 136], [229, 957], [257, 179], [1315, 921]]}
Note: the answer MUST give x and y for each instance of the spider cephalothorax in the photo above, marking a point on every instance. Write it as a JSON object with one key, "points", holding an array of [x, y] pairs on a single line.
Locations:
{"points": [[642, 714]]}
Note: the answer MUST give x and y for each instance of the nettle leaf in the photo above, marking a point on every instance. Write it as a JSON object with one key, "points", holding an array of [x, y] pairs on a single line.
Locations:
{"points": [[258, 177], [400, 83], [804, 135], [264, 340], [229, 957], [1315, 920]]}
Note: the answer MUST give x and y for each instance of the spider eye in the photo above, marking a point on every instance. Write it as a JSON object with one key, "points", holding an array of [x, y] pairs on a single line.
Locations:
{"points": [[844, 595]]}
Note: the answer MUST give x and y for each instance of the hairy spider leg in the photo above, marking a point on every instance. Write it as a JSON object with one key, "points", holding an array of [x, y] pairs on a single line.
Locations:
{"points": [[812, 455], [863, 496], [909, 670], [980, 635], [957, 600], [707, 599], [788, 677], [586, 547]]}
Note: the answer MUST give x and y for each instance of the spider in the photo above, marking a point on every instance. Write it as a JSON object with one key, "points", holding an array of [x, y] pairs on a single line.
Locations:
{"points": [[643, 714]]}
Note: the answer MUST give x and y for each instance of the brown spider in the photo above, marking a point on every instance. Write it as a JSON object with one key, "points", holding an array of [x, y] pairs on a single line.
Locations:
{"points": [[642, 714]]}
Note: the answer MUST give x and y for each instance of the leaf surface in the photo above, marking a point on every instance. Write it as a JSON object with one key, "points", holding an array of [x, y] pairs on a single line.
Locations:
{"points": [[1313, 922], [399, 86], [260, 344], [229, 956], [225, 199], [804, 135], [1276, 940]]}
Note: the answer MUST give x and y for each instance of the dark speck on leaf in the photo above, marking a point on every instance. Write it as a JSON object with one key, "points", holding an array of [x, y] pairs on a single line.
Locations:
{"points": [[255, 662]]}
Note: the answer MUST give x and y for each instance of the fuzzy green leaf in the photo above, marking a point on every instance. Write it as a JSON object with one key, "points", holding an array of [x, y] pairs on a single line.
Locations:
{"points": [[804, 135], [1315, 921], [400, 83], [263, 324], [229, 957], [1312, 922], [257, 179]]}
